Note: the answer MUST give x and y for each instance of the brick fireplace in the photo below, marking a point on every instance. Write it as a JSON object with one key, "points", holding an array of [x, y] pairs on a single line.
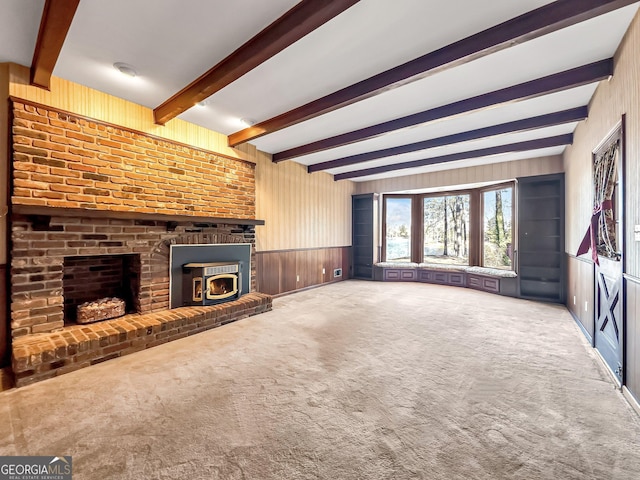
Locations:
{"points": [[95, 209]]}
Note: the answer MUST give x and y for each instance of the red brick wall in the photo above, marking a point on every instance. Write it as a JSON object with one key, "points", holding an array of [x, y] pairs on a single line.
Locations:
{"points": [[63, 160], [67, 161]]}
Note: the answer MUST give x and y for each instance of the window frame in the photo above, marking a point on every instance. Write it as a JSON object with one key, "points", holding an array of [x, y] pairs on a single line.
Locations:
{"points": [[383, 223], [475, 233], [493, 188], [448, 193]]}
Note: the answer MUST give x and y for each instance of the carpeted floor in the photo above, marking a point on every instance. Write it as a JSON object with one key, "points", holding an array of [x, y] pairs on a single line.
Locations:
{"points": [[355, 380]]}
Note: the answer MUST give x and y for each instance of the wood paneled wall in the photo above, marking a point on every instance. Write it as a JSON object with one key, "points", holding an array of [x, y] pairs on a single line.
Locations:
{"points": [[300, 210], [614, 98], [285, 271], [633, 336], [580, 291], [495, 172], [4, 184], [5, 337], [4, 158]]}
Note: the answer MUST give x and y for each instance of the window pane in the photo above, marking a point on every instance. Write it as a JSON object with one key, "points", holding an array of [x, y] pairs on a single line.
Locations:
{"points": [[498, 232], [398, 230], [446, 229]]}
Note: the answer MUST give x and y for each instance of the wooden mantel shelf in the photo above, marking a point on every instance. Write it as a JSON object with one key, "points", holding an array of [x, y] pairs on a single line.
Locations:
{"points": [[44, 211]]}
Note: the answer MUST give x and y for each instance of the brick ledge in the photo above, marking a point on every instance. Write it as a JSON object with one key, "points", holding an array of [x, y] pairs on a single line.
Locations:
{"points": [[46, 355]]}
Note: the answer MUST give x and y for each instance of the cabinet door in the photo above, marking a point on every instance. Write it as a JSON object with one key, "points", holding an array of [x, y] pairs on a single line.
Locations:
{"points": [[363, 235], [541, 273]]}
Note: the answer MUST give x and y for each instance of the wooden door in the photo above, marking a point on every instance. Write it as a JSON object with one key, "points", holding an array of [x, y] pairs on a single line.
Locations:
{"points": [[609, 313], [608, 284]]}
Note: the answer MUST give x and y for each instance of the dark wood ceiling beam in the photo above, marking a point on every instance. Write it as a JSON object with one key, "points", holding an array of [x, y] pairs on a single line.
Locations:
{"points": [[536, 23], [557, 82], [540, 121], [298, 22], [57, 16], [537, 144]]}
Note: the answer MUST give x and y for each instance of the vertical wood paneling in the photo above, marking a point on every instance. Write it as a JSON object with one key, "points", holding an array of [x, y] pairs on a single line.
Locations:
{"points": [[268, 270], [4, 321], [633, 337], [460, 176], [580, 287], [300, 210], [612, 99], [4, 183], [4, 158], [290, 270]]}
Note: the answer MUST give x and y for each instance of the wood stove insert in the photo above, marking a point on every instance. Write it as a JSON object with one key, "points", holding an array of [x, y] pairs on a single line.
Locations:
{"points": [[211, 283]]}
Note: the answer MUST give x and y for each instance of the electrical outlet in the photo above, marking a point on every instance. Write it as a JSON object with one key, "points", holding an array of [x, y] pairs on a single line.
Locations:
{"points": [[323, 271], [337, 272], [297, 278], [574, 299], [586, 306]]}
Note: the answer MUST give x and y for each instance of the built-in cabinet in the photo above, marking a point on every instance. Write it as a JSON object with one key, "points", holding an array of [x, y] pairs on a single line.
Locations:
{"points": [[540, 252], [364, 230]]}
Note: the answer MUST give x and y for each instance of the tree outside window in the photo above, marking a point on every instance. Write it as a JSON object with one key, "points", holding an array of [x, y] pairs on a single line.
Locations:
{"points": [[446, 229], [398, 229], [497, 248]]}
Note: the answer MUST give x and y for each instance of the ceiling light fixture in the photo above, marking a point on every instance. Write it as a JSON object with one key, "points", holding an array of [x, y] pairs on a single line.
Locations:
{"points": [[247, 122], [125, 69], [203, 103]]}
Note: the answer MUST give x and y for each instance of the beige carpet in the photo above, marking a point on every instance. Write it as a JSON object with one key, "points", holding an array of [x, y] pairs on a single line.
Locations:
{"points": [[355, 380]]}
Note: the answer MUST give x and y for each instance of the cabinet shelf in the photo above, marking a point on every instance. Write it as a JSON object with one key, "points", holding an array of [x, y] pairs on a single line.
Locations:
{"points": [[541, 197], [541, 274]]}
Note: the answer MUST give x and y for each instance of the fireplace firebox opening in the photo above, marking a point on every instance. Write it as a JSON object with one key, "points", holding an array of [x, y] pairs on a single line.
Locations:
{"points": [[100, 277]]}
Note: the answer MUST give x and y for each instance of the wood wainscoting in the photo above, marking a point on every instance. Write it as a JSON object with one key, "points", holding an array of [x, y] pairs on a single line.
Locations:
{"points": [[632, 367], [5, 357], [580, 292], [283, 271]]}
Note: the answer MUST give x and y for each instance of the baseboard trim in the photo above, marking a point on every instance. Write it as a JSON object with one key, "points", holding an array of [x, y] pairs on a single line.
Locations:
{"points": [[607, 368], [581, 326], [631, 399], [304, 289], [626, 393]]}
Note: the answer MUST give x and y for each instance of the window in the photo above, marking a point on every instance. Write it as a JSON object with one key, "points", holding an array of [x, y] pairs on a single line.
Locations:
{"points": [[497, 246], [446, 229], [397, 242], [466, 227]]}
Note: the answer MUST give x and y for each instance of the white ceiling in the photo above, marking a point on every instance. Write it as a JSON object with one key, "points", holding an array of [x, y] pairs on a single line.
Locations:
{"points": [[172, 42]]}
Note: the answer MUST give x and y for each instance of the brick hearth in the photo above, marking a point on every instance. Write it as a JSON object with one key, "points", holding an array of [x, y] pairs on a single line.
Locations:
{"points": [[38, 357]]}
